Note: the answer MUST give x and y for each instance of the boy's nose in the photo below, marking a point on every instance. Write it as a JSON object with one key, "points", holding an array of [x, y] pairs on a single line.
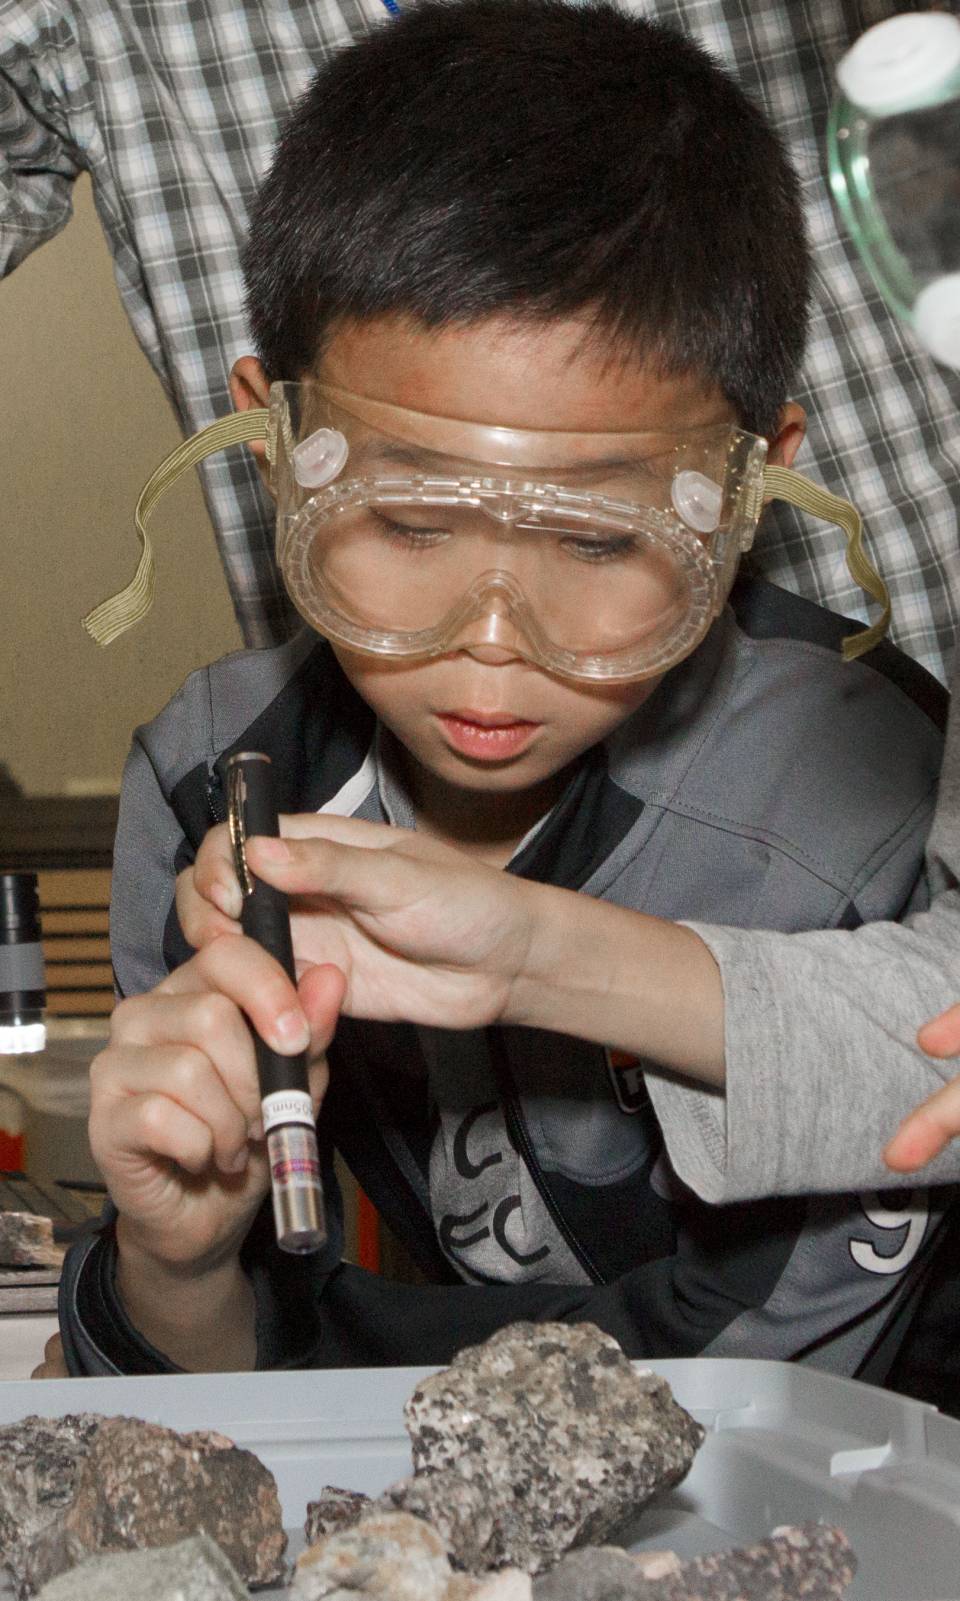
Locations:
{"points": [[492, 634]]}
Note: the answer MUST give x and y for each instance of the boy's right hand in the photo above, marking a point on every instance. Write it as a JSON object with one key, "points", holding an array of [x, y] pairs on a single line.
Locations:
{"points": [[175, 1105]]}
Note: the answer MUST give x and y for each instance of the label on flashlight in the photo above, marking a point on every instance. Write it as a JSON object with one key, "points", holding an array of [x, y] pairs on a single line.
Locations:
{"points": [[286, 1106], [297, 1172]]}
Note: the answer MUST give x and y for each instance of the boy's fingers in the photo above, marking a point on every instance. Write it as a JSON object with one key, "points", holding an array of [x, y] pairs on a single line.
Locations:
{"points": [[199, 920], [135, 1082], [54, 1364], [214, 873], [153, 1125], [246, 974], [207, 1027]]}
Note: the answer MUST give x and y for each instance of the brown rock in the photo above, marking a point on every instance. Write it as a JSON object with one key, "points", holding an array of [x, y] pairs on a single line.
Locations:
{"points": [[27, 1241], [129, 1485], [810, 1563], [332, 1510]]}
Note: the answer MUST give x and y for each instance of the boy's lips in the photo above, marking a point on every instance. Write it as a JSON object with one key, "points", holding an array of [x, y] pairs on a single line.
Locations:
{"points": [[487, 736]]}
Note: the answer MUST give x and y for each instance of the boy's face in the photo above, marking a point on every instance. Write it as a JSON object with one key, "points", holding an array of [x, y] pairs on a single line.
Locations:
{"points": [[481, 717]]}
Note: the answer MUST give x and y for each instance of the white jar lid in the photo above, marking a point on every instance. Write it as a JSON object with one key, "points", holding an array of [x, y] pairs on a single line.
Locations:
{"points": [[901, 62], [936, 319]]}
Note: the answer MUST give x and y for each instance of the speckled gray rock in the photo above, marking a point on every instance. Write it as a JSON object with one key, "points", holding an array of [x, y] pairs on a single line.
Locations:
{"points": [[89, 1485], [388, 1556], [27, 1241], [332, 1510], [41, 1458], [810, 1563], [193, 1570], [542, 1438]]}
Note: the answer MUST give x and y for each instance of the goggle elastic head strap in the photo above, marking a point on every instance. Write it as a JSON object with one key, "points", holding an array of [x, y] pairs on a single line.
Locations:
{"points": [[122, 610]]}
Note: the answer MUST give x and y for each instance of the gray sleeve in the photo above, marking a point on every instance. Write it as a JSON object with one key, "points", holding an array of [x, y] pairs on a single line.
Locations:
{"points": [[144, 875], [39, 161], [821, 1053]]}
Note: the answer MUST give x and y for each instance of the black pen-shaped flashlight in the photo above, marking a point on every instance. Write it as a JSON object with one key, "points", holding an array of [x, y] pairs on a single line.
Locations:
{"points": [[284, 1089]]}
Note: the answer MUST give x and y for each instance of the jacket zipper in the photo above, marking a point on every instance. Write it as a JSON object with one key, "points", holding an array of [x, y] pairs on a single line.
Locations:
{"points": [[213, 793], [522, 1144]]}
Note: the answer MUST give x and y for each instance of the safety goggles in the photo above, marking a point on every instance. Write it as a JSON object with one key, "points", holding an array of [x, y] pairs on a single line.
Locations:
{"points": [[597, 556]]}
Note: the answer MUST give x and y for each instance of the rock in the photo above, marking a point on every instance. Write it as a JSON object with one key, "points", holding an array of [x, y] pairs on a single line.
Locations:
{"points": [[596, 1573], [27, 1241], [41, 1458], [655, 1564], [387, 1555], [193, 1570], [811, 1563], [334, 1509], [90, 1485], [542, 1438], [509, 1584]]}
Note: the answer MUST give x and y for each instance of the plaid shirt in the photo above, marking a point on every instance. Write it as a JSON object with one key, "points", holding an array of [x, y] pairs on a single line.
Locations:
{"points": [[173, 109]]}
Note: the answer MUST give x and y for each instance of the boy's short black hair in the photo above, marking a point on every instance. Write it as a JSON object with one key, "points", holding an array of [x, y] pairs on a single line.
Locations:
{"points": [[538, 159]]}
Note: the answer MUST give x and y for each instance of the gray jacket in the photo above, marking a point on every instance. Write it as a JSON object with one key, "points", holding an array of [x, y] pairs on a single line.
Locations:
{"points": [[764, 784]]}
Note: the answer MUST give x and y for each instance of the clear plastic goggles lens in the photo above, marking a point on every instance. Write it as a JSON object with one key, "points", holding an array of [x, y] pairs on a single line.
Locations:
{"points": [[603, 582]]}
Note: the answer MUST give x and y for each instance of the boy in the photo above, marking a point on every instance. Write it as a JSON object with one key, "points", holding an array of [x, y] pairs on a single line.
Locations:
{"points": [[538, 274]]}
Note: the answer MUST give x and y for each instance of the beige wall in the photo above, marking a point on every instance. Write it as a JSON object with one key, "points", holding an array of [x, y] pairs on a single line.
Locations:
{"points": [[84, 423]]}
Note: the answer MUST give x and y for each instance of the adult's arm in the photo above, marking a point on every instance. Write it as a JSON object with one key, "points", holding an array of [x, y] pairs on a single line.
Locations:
{"points": [[820, 1039], [39, 159]]}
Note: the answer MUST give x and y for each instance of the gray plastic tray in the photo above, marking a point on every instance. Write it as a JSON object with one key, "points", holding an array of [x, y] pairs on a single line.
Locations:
{"points": [[784, 1444]]}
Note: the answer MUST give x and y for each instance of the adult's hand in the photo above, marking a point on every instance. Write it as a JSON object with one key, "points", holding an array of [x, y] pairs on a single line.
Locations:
{"points": [[424, 933], [421, 932], [930, 1126]]}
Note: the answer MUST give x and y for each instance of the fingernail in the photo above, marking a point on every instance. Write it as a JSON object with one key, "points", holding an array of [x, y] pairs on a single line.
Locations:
{"points": [[227, 898], [292, 1031], [256, 1129], [273, 850], [235, 1164]]}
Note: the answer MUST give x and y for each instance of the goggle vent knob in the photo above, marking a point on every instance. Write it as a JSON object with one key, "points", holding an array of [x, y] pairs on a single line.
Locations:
{"points": [[698, 500], [319, 458]]}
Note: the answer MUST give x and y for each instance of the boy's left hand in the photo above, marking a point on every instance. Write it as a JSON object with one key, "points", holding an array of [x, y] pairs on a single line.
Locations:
{"points": [[931, 1125], [421, 932]]}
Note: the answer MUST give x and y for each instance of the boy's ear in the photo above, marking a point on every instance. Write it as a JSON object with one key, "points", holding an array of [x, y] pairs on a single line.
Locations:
{"points": [[250, 387], [790, 434]]}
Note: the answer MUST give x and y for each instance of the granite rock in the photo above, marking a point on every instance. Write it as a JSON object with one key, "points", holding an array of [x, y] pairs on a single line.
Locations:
{"points": [[41, 1459], [389, 1556], [193, 1570], [88, 1485], [542, 1438], [809, 1563], [332, 1510], [27, 1241]]}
